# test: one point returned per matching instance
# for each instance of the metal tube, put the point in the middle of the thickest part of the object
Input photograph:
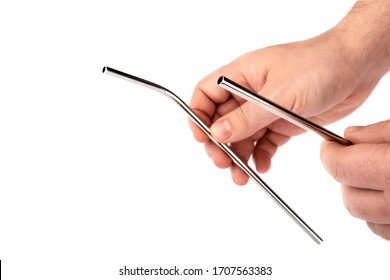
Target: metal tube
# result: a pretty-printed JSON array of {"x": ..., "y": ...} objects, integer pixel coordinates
[
  {"x": 248, "y": 170},
  {"x": 278, "y": 110}
]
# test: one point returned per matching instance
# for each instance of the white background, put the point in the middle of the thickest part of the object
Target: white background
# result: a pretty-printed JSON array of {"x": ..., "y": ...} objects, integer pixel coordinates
[{"x": 97, "y": 173}]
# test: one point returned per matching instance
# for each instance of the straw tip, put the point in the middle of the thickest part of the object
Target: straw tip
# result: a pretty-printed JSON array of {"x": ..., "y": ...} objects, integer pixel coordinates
[
  {"x": 104, "y": 69},
  {"x": 220, "y": 80}
]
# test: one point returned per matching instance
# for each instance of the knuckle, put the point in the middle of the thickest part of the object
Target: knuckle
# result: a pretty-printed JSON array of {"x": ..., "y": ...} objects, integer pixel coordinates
[
  {"x": 221, "y": 162},
  {"x": 244, "y": 118},
  {"x": 199, "y": 135},
  {"x": 299, "y": 104}
]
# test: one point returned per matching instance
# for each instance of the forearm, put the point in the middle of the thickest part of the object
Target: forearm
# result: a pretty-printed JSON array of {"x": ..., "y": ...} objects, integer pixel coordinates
[{"x": 366, "y": 33}]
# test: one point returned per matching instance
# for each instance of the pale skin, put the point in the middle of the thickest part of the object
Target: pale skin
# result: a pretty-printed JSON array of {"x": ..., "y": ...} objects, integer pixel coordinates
[{"x": 324, "y": 78}]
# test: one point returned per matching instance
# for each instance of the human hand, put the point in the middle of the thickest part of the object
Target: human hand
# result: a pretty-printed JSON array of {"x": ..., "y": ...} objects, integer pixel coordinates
[
  {"x": 319, "y": 79},
  {"x": 363, "y": 170}
]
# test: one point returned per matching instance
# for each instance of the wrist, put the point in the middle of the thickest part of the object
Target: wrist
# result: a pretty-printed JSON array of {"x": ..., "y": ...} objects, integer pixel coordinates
[{"x": 365, "y": 35}]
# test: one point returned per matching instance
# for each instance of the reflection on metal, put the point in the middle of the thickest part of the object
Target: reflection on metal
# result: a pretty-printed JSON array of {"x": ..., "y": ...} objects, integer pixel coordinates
[
  {"x": 248, "y": 170},
  {"x": 278, "y": 110}
]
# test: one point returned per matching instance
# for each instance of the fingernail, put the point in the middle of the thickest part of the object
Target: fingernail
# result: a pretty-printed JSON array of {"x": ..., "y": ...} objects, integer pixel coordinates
[
  {"x": 353, "y": 129},
  {"x": 221, "y": 130}
]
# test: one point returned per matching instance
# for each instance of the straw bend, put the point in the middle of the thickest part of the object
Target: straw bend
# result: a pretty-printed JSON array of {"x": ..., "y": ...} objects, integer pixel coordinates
[{"x": 248, "y": 170}]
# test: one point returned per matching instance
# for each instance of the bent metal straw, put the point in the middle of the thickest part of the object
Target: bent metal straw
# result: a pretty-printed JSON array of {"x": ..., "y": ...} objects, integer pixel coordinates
[{"x": 248, "y": 170}]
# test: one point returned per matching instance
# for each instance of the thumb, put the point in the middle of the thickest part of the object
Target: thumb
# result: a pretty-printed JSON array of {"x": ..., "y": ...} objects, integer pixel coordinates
[
  {"x": 241, "y": 123},
  {"x": 374, "y": 133}
]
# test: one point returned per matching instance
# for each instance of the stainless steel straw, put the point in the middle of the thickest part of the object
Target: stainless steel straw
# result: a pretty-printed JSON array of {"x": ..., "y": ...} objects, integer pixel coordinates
[
  {"x": 249, "y": 171},
  {"x": 278, "y": 110}
]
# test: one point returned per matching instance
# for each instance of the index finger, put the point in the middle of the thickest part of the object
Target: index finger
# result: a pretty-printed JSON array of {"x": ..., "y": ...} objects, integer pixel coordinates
[{"x": 207, "y": 95}]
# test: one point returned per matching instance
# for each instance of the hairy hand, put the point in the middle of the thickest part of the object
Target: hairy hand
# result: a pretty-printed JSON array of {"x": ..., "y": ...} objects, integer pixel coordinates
[{"x": 317, "y": 78}]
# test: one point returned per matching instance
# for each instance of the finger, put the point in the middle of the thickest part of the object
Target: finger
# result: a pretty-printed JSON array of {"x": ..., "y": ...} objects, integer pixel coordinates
[
  {"x": 198, "y": 134},
  {"x": 207, "y": 95},
  {"x": 241, "y": 123},
  {"x": 383, "y": 230},
  {"x": 243, "y": 149},
  {"x": 368, "y": 205},
  {"x": 266, "y": 148},
  {"x": 361, "y": 165},
  {"x": 374, "y": 133},
  {"x": 219, "y": 158},
  {"x": 249, "y": 118},
  {"x": 220, "y": 110},
  {"x": 226, "y": 107},
  {"x": 239, "y": 177}
]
